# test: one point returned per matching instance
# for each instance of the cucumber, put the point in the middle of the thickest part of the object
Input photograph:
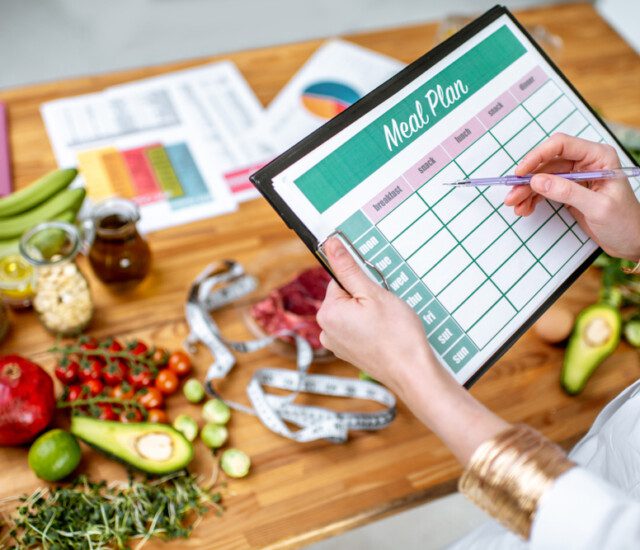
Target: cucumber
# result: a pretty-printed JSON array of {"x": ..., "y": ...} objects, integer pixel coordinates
[
  {"x": 67, "y": 199},
  {"x": 12, "y": 246},
  {"x": 36, "y": 193}
]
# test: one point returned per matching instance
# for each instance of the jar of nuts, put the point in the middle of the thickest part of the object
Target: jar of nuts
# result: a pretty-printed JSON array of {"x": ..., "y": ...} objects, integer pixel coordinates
[{"x": 62, "y": 295}]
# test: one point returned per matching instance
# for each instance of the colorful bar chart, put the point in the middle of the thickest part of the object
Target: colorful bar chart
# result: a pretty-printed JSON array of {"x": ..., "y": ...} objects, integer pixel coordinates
[{"x": 148, "y": 174}]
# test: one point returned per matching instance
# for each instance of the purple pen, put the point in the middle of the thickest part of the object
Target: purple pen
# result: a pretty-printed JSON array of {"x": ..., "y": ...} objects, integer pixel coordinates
[{"x": 512, "y": 179}]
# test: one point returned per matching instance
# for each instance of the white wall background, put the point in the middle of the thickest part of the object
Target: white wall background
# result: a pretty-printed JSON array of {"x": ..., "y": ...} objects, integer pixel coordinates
[{"x": 48, "y": 39}]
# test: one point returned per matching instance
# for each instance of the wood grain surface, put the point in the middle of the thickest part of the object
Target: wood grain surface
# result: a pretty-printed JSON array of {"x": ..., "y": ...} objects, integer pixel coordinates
[{"x": 300, "y": 493}]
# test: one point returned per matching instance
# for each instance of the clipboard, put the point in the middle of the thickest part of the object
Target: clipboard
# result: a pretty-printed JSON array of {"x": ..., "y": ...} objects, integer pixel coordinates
[{"x": 266, "y": 180}]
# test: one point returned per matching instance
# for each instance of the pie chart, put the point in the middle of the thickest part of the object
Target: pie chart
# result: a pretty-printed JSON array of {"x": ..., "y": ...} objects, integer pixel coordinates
[{"x": 326, "y": 99}]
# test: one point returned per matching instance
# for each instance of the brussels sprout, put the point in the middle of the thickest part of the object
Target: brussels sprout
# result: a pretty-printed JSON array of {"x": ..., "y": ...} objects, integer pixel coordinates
[
  {"x": 216, "y": 411},
  {"x": 632, "y": 331},
  {"x": 235, "y": 463},
  {"x": 186, "y": 425},
  {"x": 214, "y": 435},
  {"x": 193, "y": 390}
]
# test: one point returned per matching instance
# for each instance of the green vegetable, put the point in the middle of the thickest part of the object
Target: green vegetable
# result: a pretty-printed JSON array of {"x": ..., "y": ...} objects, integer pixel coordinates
[
  {"x": 153, "y": 448},
  {"x": 214, "y": 435},
  {"x": 67, "y": 199},
  {"x": 87, "y": 515},
  {"x": 216, "y": 411},
  {"x": 632, "y": 331},
  {"x": 235, "y": 463},
  {"x": 37, "y": 193},
  {"x": 602, "y": 261},
  {"x": 186, "y": 425},
  {"x": 54, "y": 455},
  {"x": 595, "y": 337},
  {"x": 611, "y": 296},
  {"x": 193, "y": 390}
]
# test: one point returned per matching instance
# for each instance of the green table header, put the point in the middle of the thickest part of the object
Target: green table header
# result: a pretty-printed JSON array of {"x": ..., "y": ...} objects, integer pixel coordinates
[{"x": 343, "y": 169}]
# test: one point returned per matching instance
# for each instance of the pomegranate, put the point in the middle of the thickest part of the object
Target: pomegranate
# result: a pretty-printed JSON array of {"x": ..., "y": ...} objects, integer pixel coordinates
[{"x": 27, "y": 401}]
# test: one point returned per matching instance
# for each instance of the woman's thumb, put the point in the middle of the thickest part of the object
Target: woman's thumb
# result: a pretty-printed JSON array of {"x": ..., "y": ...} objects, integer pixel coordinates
[
  {"x": 347, "y": 271},
  {"x": 563, "y": 190}
]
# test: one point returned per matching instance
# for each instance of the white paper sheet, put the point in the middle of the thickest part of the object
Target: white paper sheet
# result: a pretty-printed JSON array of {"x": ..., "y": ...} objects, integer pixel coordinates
[
  {"x": 336, "y": 75},
  {"x": 217, "y": 105}
]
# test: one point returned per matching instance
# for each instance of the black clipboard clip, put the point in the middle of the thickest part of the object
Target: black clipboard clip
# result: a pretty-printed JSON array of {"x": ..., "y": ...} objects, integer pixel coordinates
[{"x": 355, "y": 253}]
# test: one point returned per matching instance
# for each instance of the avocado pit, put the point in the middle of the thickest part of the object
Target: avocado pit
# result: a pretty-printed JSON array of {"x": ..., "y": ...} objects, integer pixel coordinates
[
  {"x": 597, "y": 331},
  {"x": 155, "y": 446}
]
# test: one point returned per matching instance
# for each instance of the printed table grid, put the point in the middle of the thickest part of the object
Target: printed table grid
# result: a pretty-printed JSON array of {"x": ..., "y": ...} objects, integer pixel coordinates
[{"x": 430, "y": 238}]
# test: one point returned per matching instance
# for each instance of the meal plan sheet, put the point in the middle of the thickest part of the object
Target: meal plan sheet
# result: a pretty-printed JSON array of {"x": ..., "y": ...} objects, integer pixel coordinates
[{"x": 474, "y": 272}]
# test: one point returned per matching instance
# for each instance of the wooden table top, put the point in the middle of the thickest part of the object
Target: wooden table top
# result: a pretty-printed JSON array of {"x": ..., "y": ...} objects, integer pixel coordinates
[{"x": 298, "y": 493}]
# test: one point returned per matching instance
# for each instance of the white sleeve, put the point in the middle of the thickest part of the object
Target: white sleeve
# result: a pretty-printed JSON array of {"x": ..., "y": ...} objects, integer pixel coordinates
[{"x": 583, "y": 512}]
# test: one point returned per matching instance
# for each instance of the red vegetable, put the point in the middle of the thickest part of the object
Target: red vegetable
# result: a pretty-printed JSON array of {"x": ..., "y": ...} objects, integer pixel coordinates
[
  {"x": 138, "y": 347},
  {"x": 74, "y": 393},
  {"x": 151, "y": 398},
  {"x": 140, "y": 377},
  {"x": 93, "y": 387},
  {"x": 180, "y": 363},
  {"x": 132, "y": 415},
  {"x": 114, "y": 346},
  {"x": 88, "y": 343},
  {"x": 167, "y": 382},
  {"x": 90, "y": 369},
  {"x": 114, "y": 373},
  {"x": 124, "y": 391},
  {"x": 67, "y": 371},
  {"x": 157, "y": 416},
  {"x": 27, "y": 402},
  {"x": 107, "y": 412}
]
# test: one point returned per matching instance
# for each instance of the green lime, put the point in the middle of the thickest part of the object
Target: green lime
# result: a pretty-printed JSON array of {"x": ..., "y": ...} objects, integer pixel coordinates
[{"x": 54, "y": 455}]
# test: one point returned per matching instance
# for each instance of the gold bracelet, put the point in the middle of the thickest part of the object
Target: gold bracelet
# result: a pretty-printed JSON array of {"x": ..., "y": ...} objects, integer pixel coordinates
[
  {"x": 632, "y": 270},
  {"x": 508, "y": 474}
]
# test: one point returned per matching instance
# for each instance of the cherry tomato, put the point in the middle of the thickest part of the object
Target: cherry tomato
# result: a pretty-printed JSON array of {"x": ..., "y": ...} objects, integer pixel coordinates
[
  {"x": 123, "y": 391},
  {"x": 130, "y": 415},
  {"x": 139, "y": 377},
  {"x": 107, "y": 412},
  {"x": 88, "y": 343},
  {"x": 160, "y": 357},
  {"x": 157, "y": 416},
  {"x": 150, "y": 398},
  {"x": 167, "y": 382},
  {"x": 137, "y": 347},
  {"x": 114, "y": 373},
  {"x": 67, "y": 371},
  {"x": 94, "y": 387},
  {"x": 114, "y": 345},
  {"x": 74, "y": 393},
  {"x": 90, "y": 369},
  {"x": 180, "y": 363}
]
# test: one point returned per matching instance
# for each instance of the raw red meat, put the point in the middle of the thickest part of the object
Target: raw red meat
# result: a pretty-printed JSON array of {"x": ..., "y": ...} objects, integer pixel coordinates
[{"x": 294, "y": 305}]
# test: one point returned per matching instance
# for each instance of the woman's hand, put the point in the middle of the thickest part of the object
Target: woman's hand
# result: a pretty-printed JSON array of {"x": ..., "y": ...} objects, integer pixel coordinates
[
  {"x": 607, "y": 210},
  {"x": 379, "y": 333},
  {"x": 370, "y": 327}
]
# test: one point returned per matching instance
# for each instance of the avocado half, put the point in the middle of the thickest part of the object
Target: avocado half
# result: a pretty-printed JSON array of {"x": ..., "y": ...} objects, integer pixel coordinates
[
  {"x": 595, "y": 336},
  {"x": 152, "y": 448}
]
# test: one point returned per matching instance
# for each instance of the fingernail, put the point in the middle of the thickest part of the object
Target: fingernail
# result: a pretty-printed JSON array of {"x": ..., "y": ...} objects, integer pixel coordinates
[
  {"x": 337, "y": 249},
  {"x": 543, "y": 183}
]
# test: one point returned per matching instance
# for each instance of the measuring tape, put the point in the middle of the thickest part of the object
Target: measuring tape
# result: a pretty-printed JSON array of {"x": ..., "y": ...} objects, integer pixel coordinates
[{"x": 221, "y": 284}]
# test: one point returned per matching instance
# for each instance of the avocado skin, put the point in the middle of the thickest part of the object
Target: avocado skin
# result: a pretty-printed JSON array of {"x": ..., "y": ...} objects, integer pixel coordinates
[
  {"x": 109, "y": 438},
  {"x": 581, "y": 359}
]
